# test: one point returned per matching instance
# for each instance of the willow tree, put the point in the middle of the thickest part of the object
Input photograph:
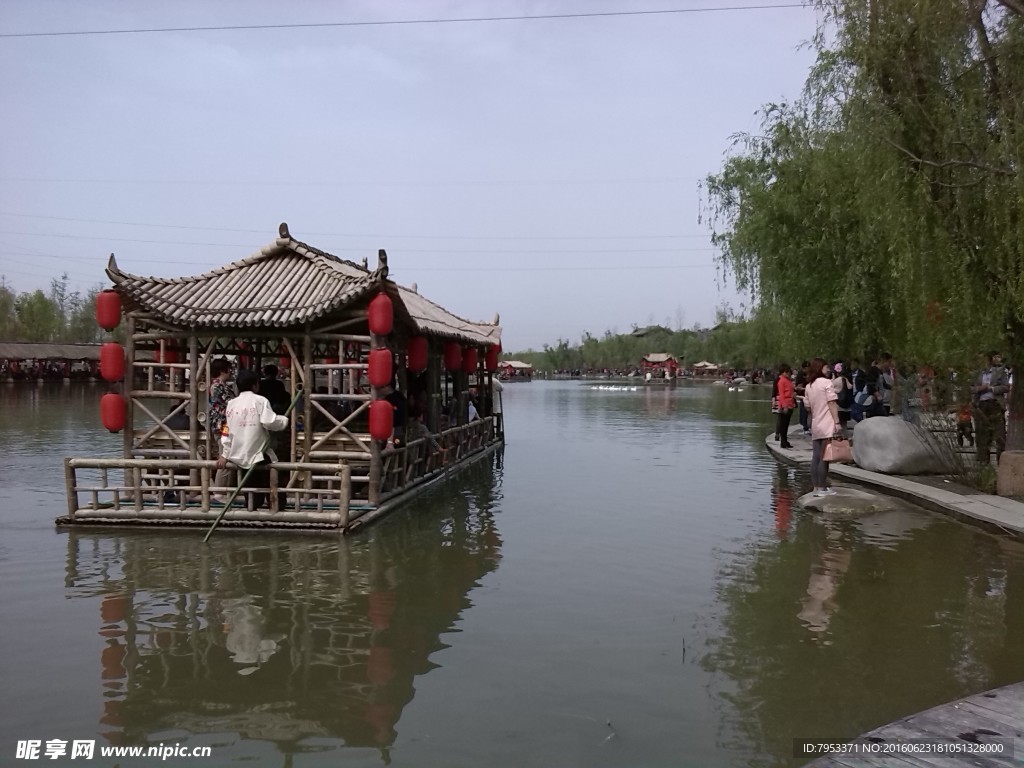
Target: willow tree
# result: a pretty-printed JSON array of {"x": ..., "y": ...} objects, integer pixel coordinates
[{"x": 883, "y": 209}]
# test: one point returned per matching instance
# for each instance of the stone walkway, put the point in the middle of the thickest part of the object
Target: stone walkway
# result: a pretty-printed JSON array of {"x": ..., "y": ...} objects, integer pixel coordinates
[{"x": 993, "y": 512}]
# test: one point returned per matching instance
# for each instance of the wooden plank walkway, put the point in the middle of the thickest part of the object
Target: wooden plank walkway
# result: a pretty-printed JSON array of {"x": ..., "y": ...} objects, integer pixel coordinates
[
  {"x": 985, "y": 730},
  {"x": 995, "y": 513}
]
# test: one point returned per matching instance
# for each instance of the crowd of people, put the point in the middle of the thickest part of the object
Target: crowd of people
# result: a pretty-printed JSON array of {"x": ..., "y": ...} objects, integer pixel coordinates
[{"x": 828, "y": 396}]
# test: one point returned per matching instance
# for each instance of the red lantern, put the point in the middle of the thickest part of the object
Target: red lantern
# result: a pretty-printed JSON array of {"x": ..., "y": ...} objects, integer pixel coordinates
[
  {"x": 491, "y": 358},
  {"x": 113, "y": 411},
  {"x": 244, "y": 361},
  {"x": 379, "y": 367},
  {"x": 108, "y": 310},
  {"x": 168, "y": 355},
  {"x": 284, "y": 362},
  {"x": 382, "y": 419},
  {"x": 469, "y": 360},
  {"x": 416, "y": 354},
  {"x": 111, "y": 361},
  {"x": 452, "y": 356},
  {"x": 381, "y": 315}
]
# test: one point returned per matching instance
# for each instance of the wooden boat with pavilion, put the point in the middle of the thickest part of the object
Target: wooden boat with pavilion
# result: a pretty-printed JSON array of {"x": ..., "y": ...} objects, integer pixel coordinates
[{"x": 313, "y": 315}]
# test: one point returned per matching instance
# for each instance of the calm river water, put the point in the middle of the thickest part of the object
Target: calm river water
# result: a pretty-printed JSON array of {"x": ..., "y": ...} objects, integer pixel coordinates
[{"x": 627, "y": 584}]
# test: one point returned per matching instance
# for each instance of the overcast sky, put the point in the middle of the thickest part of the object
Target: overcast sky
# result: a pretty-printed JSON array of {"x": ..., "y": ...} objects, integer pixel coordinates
[{"x": 544, "y": 169}]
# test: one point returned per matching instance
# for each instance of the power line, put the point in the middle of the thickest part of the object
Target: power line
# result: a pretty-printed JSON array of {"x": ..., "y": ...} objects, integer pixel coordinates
[
  {"x": 358, "y": 184},
  {"x": 351, "y": 234},
  {"x": 406, "y": 22},
  {"x": 445, "y": 251}
]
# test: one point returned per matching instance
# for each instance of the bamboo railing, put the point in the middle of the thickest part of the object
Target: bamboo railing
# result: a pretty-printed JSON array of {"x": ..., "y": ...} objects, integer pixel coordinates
[{"x": 316, "y": 493}]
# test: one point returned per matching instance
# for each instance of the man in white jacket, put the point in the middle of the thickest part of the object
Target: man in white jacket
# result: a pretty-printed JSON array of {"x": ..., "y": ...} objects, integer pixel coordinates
[{"x": 246, "y": 441}]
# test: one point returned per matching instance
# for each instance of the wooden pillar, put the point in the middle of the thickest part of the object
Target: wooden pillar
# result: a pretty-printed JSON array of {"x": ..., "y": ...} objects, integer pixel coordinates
[
  {"x": 193, "y": 405},
  {"x": 376, "y": 463},
  {"x": 129, "y": 385},
  {"x": 307, "y": 400},
  {"x": 435, "y": 386}
]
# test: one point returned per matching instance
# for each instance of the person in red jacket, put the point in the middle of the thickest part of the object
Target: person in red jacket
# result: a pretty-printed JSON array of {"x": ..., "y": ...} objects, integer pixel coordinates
[{"x": 787, "y": 402}]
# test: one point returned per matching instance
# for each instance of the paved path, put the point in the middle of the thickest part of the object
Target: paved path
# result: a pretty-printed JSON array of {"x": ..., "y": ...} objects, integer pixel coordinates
[
  {"x": 993, "y": 512},
  {"x": 982, "y": 730}
]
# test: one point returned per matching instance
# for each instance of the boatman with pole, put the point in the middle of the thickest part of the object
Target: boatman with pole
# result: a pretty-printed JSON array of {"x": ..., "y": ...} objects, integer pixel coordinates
[{"x": 246, "y": 443}]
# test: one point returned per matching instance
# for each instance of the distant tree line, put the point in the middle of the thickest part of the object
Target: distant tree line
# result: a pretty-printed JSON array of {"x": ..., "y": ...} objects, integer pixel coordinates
[
  {"x": 740, "y": 342},
  {"x": 58, "y": 315}
]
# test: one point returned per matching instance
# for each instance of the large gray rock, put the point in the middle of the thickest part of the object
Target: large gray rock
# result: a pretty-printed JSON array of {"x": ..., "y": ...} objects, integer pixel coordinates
[
  {"x": 893, "y": 446},
  {"x": 1010, "y": 480},
  {"x": 851, "y": 502}
]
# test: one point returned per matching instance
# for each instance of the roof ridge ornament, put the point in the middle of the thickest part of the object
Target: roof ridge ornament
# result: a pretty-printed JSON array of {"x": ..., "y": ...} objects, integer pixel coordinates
[
  {"x": 282, "y": 230},
  {"x": 382, "y": 263}
]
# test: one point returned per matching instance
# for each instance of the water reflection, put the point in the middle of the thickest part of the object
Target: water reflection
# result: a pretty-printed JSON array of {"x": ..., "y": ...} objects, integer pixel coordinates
[
  {"x": 308, "y": 643},
  {"x": 830, "y": 623}
]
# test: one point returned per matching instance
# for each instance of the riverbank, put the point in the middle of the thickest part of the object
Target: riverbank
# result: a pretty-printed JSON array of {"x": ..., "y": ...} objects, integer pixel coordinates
[{"x": 932, "y": 492}]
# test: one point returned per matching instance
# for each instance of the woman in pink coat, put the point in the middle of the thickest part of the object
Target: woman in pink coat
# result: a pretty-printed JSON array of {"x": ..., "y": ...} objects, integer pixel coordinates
[{"x": 820, "y": 400}]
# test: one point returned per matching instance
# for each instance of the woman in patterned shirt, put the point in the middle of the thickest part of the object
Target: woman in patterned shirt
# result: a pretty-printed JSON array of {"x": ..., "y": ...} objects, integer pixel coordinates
[{"x": 220, "y": 392}]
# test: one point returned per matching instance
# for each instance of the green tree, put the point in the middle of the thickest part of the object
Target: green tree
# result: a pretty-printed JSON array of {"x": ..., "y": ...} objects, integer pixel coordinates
[
  {"x": 882, "y": 210},
  {"x": 9, "y": 325},
  {"x": 38, "y": 317}
]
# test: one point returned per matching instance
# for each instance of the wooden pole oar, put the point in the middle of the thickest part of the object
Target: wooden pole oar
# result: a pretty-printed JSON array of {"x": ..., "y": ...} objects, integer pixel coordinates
[{"x": 234, "y": 493}]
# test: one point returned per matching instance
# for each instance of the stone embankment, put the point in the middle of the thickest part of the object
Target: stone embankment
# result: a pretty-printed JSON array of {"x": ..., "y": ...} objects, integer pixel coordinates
[{"x": 932, "y": 492}]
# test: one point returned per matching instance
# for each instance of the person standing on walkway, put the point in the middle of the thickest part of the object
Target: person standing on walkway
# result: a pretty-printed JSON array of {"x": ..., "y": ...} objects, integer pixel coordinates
[
  {"x": 799, "y": 383},
  {"x": 786, "y": 401},
  {"x": 989, "y": 390},
  {"x": 820, "y": 397}
]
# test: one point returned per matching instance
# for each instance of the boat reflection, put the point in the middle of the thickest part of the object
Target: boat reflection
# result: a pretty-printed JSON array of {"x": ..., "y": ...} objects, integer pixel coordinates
[{"x": 279, "y": 638}]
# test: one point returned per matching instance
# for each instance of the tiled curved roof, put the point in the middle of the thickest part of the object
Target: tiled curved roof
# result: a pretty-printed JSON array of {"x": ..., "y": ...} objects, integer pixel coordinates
[
  {"x": 286, "y": 283},
  {"x": 434, "y": 320}
]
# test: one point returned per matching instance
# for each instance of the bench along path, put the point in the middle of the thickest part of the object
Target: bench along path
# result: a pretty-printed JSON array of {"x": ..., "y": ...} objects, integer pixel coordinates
[
  {"x": 982, "y": 730},
  {"x": 996, "y": 513}
]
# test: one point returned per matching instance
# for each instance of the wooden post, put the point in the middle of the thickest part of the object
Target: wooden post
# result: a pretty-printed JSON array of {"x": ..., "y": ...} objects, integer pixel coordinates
[
  {"x": 69, "y": 484},
  {"x": 129, "y": 381},
  {"x": 193, "y": 406},
  {"x": 307, "y": 401},
  {"x": 273, "y": 489},
  {"x": 345, "y": 493},
  {"x": 137, "y": 487},
  {"x": 376, "y": 465},
  {"x": 434, "y": 385}
]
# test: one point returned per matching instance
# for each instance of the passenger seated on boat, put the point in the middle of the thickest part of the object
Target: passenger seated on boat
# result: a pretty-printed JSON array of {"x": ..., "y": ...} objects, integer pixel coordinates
[
  {"x": 179, "y": 422},
  {"x": 416, "y": 429},
  {"x": 321, "y": 422},
  {"x": 401, "y": 406},
  {"x": 473, "y": 414}
]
